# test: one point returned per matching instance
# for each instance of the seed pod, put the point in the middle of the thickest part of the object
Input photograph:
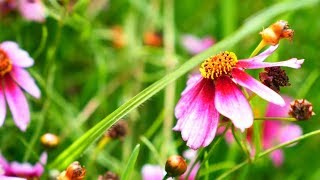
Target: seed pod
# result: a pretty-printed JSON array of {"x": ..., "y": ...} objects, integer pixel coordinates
[{"x": 301, "y": 109}]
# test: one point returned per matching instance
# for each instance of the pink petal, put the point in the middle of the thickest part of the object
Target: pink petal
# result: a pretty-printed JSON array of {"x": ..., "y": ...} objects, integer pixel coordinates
[
  {"x": 271, "y": 132},
  {"x": 18, "y": 56},
  {"x": 274, "y": 110},
  {"x": 289, "y": 132},
  {"x": 199, "y": 120},
  {"x": 32, "y": 10},
  {"x": 231, "y": 103},
  {"x": 262, "y": 56},
  {"x": 152, "y": 172},
  {"x": 293, "y": 63},
  {"x": 257, "y": 87},
  {"x": 193, "y": 173},
  {"x": 11, "y": 178},
  {"x": 196, "y": 45},
  {"x": 23, "y": 78},
  {"x": 277, "y": 157},
  {"x": 17, "y": 103},
  {"x": 2, "y": 105}
]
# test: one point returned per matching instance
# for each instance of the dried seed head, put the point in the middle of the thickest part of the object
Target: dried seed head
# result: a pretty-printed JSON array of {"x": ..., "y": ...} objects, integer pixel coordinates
[
  {"x": 119, "y": 130},
  {"x": 50, "y": 140},
  {"x": 175, "y": 166},
  {"x": 74, "y": 172},
  {"x": 277, "y": 31},
  {"x": 109, "y": 176},
  {"x": 301, "y": 109},
  {"x": 274, "y": 77},
  {"x": 151, "y": 38}
]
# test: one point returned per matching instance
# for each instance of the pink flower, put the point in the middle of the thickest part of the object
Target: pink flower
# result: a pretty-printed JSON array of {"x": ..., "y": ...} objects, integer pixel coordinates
[
  {"x": 190, "y": 155},
  {"x": 276, "y": 132},
  {"x": 216, "y": 92},
  {"x": 196, "y": 45},
  {"x": 25, "y": 170},
  {"x": 32, "y": 10},
  {"x": 152, "y": 172},
  {"x": 7, "y": 5},
  {"x": 13, "y": 60}
]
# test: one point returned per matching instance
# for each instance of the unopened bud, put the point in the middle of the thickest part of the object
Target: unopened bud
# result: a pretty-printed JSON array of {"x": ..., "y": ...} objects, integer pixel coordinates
[
  {"x": 277, "y": 31},
  {"x": 301, "y": 109},
  {"x": 118, "y": 37},
  {"x": 74, "y": 172},
  {"x": 119, "y": 130},
  {"x": 152, "y": 39},
  {"x": 50, "y": 140},
  {"x": 175, "y": 166},
  {"x": 109, "y": 176}
]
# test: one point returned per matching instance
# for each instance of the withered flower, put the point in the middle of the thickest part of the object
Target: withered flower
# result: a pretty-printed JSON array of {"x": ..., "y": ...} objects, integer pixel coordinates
[
  {"x": 74, "y": 172},
  {"x": 277, "y": 31},
  {"x": 274, "y": 78},
  {"x": 301, "y": 109}
]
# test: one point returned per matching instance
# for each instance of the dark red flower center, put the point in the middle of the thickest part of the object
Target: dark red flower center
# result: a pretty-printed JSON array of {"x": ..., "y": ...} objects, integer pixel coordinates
[{"x": 5, "y": 63}]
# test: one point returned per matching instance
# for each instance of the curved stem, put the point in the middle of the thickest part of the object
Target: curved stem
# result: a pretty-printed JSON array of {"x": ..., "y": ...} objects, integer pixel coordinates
[
  {"x": 266, "y": 152},
  {"x": 276, "y": 118},
  {"x": 261, "y": 45}
]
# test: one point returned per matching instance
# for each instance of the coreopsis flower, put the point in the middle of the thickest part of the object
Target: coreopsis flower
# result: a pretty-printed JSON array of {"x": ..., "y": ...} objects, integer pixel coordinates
[
  {"x": 196, "y": 45},
  {"x": 24, "y": 170},
  {"x": 276, "y": 132},
  {"x": 216, "y": 92},
  {"x": 13, "y": 60},
  {"x": 32, "y": 10}
]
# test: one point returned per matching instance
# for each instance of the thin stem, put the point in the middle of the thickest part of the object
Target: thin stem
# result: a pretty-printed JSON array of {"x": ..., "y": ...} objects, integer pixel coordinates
[
  {"x": 242, "y": 145},
  {"x": 277, "y": 118},
  {"x": 261, "y": 45},
  {"x": 266, "y": 152}
]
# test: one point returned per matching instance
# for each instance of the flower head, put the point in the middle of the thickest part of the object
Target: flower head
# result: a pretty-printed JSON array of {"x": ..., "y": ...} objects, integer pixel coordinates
[
  {"x": 196, "y": 45},
  {"x": 13, "y": 60},
  {"x": 301, "y": 109},
  {"x": 32, "y": 10},
  {"x": 24, "y": 170},
  {"x": 216, "y": 92}
]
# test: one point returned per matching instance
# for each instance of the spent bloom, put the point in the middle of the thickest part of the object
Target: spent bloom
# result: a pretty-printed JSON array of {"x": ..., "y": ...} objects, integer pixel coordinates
[
  {"x": 13, "y": 60},
  {"x": 216, "y": 92},
  {"x": 301, "y": 109},
  {"x": 196, "y": 45},
  {"x": 277, "y": 31},
  {"x": 24, "y": 170}
]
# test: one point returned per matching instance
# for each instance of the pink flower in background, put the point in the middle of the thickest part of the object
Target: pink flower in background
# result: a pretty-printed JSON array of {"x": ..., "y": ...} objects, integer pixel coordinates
[
  {"x": 276, "y": 132},
  {"x": 13, "y": 60},
  {"x": 216, "y": 92},
  {"x": 190, "y": 155},
  {"x": 7, "y": 5},
  {"x": 32, "y": 10},
  {"x": 25, "y": 170},
  {"x": 152, "y": 172},
  {"x": 196, "y": 45}
]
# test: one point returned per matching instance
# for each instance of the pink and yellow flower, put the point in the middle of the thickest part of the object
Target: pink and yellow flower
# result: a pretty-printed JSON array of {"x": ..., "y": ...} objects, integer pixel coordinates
[
  {"x": 216, "y": 92},
  {"x": 13, "y": 60},
  {"x": 32, "y": 10}
]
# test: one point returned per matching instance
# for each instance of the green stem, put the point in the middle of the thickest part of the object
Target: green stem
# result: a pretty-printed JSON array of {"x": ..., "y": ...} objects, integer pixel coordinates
[
  {"x": 277, "y": 118},
  {"x": 261, "y": 45},
  {"x": 266, "y": 152},
  {"x": 242, "y": 145}
]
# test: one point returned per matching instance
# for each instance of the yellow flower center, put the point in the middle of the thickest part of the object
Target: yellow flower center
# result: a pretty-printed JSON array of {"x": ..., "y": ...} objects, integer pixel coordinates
[
  {"x": 5, "y": 63},
  {"x": 218, "y": 65}
]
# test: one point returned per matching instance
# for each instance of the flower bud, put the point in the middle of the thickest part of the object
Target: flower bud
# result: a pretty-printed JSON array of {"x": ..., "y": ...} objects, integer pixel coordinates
[
  {"x": 109, "y": 176},
  {"x": 152, "y": 39},
  {"x": 277, "y": 31},
  {"x": 301, "y": 109},
  {"x": 175, "y": 166},
  {"x": 118, "y": 131},
  {"x": 50, "y": 140},
  {"x": 74, "y": 172},
  {"x": 118, "y": 37}
]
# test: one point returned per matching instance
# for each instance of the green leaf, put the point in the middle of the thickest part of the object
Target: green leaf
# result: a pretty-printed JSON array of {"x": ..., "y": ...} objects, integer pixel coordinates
[
  {"x": 126, "y": 174},
  {"x": 252, "y": 25}
]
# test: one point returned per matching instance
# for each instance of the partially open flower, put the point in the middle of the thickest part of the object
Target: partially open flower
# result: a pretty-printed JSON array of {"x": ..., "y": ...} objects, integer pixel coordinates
[
  {"x": 301, "y": 109},
  {"x": 74, "y": 172},
  {"x": 274, "y": 77},
  {"x": 175, "y": 166},
  {"x": 277, "y": 31}
]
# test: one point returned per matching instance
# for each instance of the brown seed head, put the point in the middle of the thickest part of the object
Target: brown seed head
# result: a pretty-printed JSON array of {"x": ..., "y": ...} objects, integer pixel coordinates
[
  {"x": 74, "y": 172},
  {"x": 301, "y": 109},
  {"x": 274, "y": 77},
  {"x": 277, "y": 31},
  {"x": 119, "y": 130},
  {"x": 109, "y": 176},
  {"x": 175, "y": 166}
]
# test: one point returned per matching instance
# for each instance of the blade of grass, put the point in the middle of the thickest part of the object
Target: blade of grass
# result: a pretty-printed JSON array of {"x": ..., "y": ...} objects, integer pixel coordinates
[
  {"x": 254, "y": 24},
  {"x": 126, "y": 174}
]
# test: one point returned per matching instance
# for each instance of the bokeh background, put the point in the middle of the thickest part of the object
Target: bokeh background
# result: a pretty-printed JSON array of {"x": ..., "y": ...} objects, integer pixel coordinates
[{"x": 92, "y": 57}]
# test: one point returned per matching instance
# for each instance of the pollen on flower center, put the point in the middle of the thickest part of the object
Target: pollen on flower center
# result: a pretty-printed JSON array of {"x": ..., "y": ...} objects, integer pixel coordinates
[
  {"x": 218, "y": 65},
  {"x": 5, "y": 63}
]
